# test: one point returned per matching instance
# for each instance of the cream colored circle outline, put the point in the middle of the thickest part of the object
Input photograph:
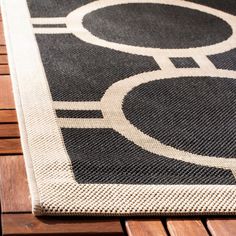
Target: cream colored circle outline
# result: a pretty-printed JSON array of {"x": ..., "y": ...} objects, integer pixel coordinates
[
  {"x": 111, "y": 105},
  {"x": 75, "y": 18}
]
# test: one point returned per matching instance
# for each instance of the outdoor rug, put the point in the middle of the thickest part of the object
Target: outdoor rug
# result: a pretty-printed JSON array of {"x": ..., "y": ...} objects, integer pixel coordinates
[{"x": 126, "y": 107}]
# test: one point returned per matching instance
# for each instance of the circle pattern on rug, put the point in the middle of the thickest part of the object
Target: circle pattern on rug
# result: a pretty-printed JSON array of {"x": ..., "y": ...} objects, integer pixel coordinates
[
  {"x": 194, "y": 114},
  {"x": 163, "y": 28}
]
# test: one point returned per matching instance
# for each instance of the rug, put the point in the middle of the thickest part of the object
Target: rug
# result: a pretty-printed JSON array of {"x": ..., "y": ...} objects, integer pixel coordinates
[{"x": 126, "y": 107}]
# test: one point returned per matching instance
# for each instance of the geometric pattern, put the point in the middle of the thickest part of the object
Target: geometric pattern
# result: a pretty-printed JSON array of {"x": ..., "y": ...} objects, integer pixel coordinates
[
  {"x": 184, "y": 62},
  {"x": 130, "y": 109},
  {"x": 105, "y": 13}
]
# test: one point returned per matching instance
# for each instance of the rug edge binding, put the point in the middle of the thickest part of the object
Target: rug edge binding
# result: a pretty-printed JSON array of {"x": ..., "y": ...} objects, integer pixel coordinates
[{"x": 34, "y": 194}]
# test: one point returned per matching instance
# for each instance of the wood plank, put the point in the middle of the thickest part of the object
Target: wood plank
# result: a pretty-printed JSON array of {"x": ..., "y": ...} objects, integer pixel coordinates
[
  {"x": 27, "y": 224},
  {"x": 8, "y": 116},
  {"x": 10, "y": 146},
  {"x": 9, "y": 131},
  {"x": 6, "y": 96},
  {"x": 141, "y": 227},
  {"x": 13, "y": 185},
  {"x": 186, "y": 227},
  {"x": 3, "y": 59},
  {"x": 3, "y": 50},
  {"x": 222, "y": 226},
  {"x": 4, "y": 70},
  {"x": 2, "y": 39}
]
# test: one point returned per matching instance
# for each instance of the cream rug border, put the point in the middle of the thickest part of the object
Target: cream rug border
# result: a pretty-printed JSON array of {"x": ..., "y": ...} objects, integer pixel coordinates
[{"x": 53, "y": 188}]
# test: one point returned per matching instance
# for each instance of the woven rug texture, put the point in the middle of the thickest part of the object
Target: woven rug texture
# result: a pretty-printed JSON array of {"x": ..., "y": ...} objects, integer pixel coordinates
[{"x": 126, "y": 107}]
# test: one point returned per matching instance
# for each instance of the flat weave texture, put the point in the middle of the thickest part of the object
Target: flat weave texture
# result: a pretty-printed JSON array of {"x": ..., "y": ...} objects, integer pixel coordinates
[{"x": 126, "y": 107}]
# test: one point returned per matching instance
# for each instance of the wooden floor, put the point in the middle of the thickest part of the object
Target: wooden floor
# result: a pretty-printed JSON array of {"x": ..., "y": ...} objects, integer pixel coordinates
[{"x": 16, "y": 217}]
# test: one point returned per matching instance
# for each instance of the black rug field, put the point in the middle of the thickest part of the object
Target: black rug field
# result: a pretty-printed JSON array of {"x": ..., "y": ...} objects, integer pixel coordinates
[{"x": 126, "y": 107}]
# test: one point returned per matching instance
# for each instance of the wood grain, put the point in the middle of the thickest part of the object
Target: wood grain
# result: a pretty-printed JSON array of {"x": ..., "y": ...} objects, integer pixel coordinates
[
  {"x": 27, "y": 224},
  {"x": 222, "y": 226},
  {"x": 3, "y": 59},
  {"x": 141, "y": 227},
  {"x": 13, "y": 185},
  {"x": 10, "y": 146},
  {"x": 8, "y": 116},
  {"x": 2, "y": 39},
  {"x": 6, "y": 96},
  {"x": 9, "y": 131},
  {"x": 3, "y": 50},
  {"x": 4, "y": 70},
  {"x": 186, "y": 227}
]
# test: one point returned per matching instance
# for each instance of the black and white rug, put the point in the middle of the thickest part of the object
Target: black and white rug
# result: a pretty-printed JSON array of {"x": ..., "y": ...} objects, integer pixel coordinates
[{"x": 126, "y": 107}]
